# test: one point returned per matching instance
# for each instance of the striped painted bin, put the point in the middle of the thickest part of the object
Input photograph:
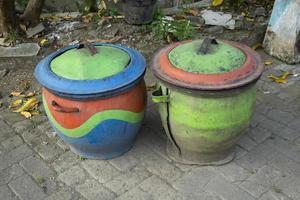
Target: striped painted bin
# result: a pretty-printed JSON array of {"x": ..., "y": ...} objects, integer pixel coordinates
[{"x": 94, "y": 97}]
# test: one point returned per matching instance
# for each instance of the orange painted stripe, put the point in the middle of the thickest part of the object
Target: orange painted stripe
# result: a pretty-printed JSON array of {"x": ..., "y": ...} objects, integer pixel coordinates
[{"x": 133, "y": 100}]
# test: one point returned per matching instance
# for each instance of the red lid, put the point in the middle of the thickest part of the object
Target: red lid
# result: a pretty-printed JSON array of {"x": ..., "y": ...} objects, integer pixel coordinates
[{"x": 248, "y": 72}]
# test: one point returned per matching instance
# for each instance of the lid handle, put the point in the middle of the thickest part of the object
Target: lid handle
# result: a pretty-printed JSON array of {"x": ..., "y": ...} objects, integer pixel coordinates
[
  {"x": 92, "y": 49},
  {"x": 206, "y": 46}
]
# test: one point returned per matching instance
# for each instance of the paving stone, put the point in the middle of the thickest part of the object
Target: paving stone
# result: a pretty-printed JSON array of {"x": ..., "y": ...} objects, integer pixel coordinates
[
  {"x": 64, "y": 194},
  {"x": 239, "y": 152},
  {"x": 257, "y": 157},
  {"x": 194, "y": 181},
  {"x": 65, "y": 161},
  {"x": 100, "y": 170},
  {"x": 259, "y": 134},
  {"x": 226, "y": 190},
  {"x": 37, "y": 167},
  {"x": 34, "y": 137},
  {"x": 262, "y": 181},
  {"x": 93, "y": 190},
  {"x": 246, "y": 142},
  {"x": 25, "y": 188},
  {"x": 48, "y": 151},
  {"x": 151, "y": 188},
  {"x": 272, "y": 126},
  {"x": 280, "y": 116},
  {"x": 64, "y": 146},
  {"x": 262, "y": 108},
  {"x": 286, "y": 165},
  {"x": 125, "y": 182},
  {"x": 22, "y": 126},
  {"x": 72, "y": 176},
  {"x": 286, "y": 148},
  {"x": 271, "y": 195},
  {"x": 11, "y": 117},
  {"x": 46, "y": 129},
  {"x": 202, "y": 195},
  {"x": 232, "y": 172},
  {"x": 39, "y": 119},
  {"x": 12, "y": 142},
  {"x": 11, "y": 173},
  {"x": 14, "y": 156},
  {"x": 290, "y": 186},
  {"x": 6, "y": 131},
  {"x": 288, "y": 133},
  {"x": 6, "y": 193},
  {"x": 125, "y": 162},
  {"x": 295, "y": 124}
]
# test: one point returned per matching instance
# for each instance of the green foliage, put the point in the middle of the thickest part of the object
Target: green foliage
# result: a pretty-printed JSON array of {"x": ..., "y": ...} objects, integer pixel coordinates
[
  {"x": 165, "y": 28},
  {"x": 12, "y": 37}
]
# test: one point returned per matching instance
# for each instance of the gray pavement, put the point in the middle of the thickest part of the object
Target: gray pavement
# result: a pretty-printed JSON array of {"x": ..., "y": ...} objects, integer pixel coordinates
[{"x": 35, "y": 164}]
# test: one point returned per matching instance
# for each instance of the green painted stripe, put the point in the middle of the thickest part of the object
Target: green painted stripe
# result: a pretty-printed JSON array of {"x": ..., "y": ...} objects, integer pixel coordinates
[{"x": 93, "y": 121}]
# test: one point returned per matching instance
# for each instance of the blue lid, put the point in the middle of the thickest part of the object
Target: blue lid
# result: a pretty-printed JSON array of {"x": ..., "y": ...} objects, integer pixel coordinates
[{"x": 112, "y": 84}]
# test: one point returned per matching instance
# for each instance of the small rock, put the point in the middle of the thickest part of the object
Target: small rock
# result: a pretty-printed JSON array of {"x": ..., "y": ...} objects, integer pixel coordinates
[
  {"x": 196, "y": 20},
  {"x": 3, "y": 72},
  {"x": 260, "y": 11},
  {"x": 20, "y": 50},
  {"x": 218, "y": 18},
  {"x": 35, "y": 30},
  {"x": 215, "y": 30}
]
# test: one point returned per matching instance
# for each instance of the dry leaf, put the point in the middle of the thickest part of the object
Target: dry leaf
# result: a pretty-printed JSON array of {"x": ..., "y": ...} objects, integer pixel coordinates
[
  {"x": 281, "y": 79},
  {"x": 44, "y": 42},
  {"x": 34, "y": 113},
  {"x": 26, "y": 114},
  {"x": 217, "y": 2},
  {"x": 87, "y": 18},
  {"x": 67, "y": 17},
  {"x": 268, "y": 62},
  {"x": 192, "y": 11},
  {"x": 23, "y": 27},
  {"x": 16, "y": 103},
  {"x": 256, "y": 46},
  {"x": 29, "y": 105},
  {"x": 15, "y": 94},
  {"x": 30, "y": 94}
]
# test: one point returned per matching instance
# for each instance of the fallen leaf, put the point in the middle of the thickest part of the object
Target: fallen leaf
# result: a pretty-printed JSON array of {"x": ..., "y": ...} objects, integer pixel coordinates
[
  {"x": 29, "y": 105},
  {"x": 16, "y": 103},
  {"x": 280, "y": 79},
  {"x": 67, "y": 17},
  {"x": 15, "y": 94},
  {"x": 268, "y": 62},
  {"x": 87, "y": 18},
  {"x": 26, "y": 114},
  {"x": 34, "y": 113},
  {"x": 217, "y": 2},
  {"x": 23, "y": 27},
  {"x": 44, "y": 42},
  {"x": 256, "y": 46},
  {"x": 30, "y": 94},
  {"x": 192, "y": 11}
]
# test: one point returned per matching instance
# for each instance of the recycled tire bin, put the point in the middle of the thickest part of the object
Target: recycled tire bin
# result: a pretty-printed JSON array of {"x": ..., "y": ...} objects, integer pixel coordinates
[
  {"x": 206, "y": 94},
  {"x": 94, "y": 100}
]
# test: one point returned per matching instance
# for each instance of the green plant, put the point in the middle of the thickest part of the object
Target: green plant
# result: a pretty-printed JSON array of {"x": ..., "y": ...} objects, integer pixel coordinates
[{"x": 12, "y": 37}]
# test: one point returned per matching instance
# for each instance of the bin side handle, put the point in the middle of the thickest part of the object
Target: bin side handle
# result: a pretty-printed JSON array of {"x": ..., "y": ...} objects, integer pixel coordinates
[
  {"x": 158, "y": 97},
  {"x": 62, "y": 109}
]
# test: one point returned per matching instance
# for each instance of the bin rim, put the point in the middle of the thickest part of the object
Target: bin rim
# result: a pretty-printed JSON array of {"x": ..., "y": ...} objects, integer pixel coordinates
[{"x": 116, "y": 83}]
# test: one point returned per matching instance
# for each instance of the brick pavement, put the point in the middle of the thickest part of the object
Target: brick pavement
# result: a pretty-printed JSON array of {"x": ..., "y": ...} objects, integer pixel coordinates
[{"x": 35, "y": 164}]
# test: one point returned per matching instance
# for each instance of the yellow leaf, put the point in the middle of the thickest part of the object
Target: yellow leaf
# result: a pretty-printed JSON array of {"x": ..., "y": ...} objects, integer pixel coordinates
[
  {"x": 16, "y": 103},
  {"x": 44, "y": 42},
  {"x": 192, "y": 11},
  {"x": 67, "y": 17},
  {"x": 280, "y": 79},
  {"x": 217, "y": 2},
  {"x": 87, "y": 18},
  {"x": 34, "y": 113},
  {"x": 285, "y": 75},
  {"x": 31, "y": 103},
  {"x": 30, "y": 94},
  {"x": 256, "y": 46},
  {"x": 268, "y": 62},
  {"x": 15, "y": 94},
  {"x": 26, "y": 114}
]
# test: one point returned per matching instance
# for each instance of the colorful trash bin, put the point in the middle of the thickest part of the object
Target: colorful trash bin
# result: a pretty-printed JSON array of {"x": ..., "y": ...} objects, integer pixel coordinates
[
  {"x": 206, "y": 94},
  {"x": 94, "y": 97}
]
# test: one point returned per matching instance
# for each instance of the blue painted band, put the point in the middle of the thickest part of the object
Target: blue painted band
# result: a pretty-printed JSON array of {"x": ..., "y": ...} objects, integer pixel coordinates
[
  {"x": 134, "y": 71},
  {"x": 108, "y": 139}
]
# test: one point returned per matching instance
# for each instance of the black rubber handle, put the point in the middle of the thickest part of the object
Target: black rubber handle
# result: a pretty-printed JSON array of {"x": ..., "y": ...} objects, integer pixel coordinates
[{"x": 206, "y": 46}]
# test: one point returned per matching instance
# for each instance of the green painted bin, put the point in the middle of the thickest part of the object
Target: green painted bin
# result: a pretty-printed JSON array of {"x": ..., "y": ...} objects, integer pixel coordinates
[{"x": 206, "y": 94}]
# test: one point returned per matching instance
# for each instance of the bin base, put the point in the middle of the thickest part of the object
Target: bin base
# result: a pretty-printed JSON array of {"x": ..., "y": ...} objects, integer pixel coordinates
[
  {"x": 101, "y": 155},
  {"x": 196, "y": 158}
]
